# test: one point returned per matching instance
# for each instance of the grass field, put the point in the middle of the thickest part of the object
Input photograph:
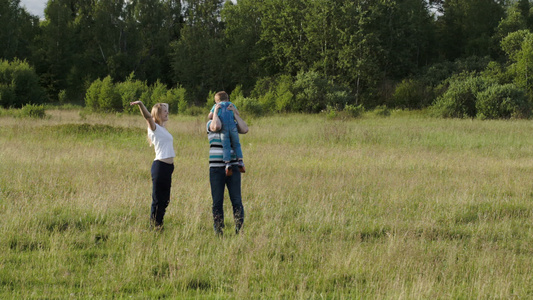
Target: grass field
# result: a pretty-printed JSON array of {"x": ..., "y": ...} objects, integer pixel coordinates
[{"x": 403, "y": 207}]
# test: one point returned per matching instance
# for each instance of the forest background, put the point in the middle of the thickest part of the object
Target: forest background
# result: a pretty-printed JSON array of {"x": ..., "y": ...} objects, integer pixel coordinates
[{"x": 459, "y": 58}]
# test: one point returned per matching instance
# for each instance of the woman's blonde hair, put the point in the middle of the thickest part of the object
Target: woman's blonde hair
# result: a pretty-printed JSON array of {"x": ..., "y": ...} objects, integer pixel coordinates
[{"x": 156, "y": 114}]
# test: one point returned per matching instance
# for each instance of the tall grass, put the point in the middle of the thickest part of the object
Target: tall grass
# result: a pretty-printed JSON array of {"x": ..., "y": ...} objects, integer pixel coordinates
[{"x": 398, "y": 207}]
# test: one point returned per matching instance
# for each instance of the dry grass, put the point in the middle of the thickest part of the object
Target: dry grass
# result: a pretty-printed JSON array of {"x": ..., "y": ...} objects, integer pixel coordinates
[{"x": 404, "y": 207}]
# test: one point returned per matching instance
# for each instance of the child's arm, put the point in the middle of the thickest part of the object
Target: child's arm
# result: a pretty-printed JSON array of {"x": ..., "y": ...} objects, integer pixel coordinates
[{"x": 210, "y": 116}]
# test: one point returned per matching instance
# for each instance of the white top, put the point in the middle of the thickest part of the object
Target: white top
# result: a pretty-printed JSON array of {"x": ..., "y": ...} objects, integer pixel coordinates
[{"x": 163, "y": 142}]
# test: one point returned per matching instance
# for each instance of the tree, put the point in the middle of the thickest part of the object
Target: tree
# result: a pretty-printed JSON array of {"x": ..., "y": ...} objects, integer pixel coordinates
[
  {"x": 243, "y": 46},
  {"x": 199, "y": 54},
  {"x": 466, "y": 28},
  {"x": 56, "y": 46},
  {"x": 519, "y": 48},
  {"x": 17, "y": 30},
  {"x": 283, "y": 30}
]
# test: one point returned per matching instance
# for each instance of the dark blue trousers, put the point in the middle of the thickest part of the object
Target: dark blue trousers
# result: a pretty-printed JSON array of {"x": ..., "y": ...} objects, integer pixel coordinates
[
  {"x": 219, "y": 181},
  {"x": 161, "y": 183}
]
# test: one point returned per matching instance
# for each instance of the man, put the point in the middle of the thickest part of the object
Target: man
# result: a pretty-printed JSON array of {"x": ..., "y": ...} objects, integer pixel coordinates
[{"x": 217, "y": 173}]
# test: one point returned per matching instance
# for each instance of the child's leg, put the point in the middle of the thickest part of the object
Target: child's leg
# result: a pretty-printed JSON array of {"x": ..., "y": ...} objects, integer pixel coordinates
[
  {"x": 236, "y": 145},
  {"x": 226, "y": 145}
]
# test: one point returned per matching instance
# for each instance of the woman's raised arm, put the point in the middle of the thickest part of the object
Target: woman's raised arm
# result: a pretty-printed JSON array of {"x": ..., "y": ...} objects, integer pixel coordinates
[{"x": 145, "y": 114}]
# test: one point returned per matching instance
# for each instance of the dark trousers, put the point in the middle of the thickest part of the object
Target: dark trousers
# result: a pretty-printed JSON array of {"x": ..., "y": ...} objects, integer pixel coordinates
[
  {"x": 219, "y": 180},
  {"x": 161, "y": 183}
]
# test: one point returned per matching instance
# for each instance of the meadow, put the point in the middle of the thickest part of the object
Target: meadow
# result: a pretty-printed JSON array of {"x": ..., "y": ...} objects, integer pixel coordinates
[{"x": 398, "y": 207}]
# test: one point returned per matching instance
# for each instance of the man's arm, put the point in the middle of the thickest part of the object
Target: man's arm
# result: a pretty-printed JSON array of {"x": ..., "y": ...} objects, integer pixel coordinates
[
  {"x": 215, "y": 124},
  {"x": 241, "y": 125}
]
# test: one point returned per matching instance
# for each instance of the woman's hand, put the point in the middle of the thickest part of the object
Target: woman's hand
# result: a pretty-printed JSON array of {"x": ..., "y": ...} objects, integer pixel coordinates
[{"x": 135, "y": 102}]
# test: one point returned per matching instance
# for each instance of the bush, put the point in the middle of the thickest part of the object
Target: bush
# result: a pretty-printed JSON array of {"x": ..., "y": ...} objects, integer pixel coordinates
[
  {"x": 249, "y": 106},
  {"x": 62, "y": 96},
  {"x": 354, "y": 110},
  {"x": 381, "y": 111},
  {"x": 92, "y": 94},
  {"x": 503, "y": 101},
  {"x": 210, "y": 101},
  {"x": 32, "y": 111},
  {"x": 103, "y": 96},
  {"x": 410, "y": 94},
  {"x": 263, "y": 86},
  {"x": 268, "y": 102},
  {"x": 339, "y": 96},
  {"x": 310, "y": 92},
  {"x": 459, "y": 100},
  {"x": 19, "y": 85},
  {"x": 237, "y": 92},
  {"x": 284, "y": 95},
  {"x": 109, "y": 99},
  {"x": 7, "y": 95},
  {"x": 175, "y": 98},
  {"x": 133, "y": 90}
]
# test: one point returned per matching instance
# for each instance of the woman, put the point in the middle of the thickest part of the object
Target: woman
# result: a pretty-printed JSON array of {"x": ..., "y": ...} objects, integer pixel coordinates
[{"x": 163, "y": 165}]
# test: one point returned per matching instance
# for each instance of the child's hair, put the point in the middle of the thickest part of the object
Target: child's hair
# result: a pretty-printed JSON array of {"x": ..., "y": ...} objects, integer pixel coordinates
[
  {"x": 221, "y": 96},
  {"x": 156, "y": 114}
]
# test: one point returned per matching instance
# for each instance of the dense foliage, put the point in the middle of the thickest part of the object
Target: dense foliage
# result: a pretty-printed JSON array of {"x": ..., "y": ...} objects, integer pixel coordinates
[
  {"x": 19, "y": 84},
  {"x": 281, "y": 55}
]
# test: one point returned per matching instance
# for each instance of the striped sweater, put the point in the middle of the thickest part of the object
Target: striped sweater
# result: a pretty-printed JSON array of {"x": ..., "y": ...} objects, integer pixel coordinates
[{"x": 215, "y": 150}]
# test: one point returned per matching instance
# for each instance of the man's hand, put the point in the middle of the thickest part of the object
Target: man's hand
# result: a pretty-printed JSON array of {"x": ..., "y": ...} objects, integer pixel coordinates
[{"x": 217, "y": 107}]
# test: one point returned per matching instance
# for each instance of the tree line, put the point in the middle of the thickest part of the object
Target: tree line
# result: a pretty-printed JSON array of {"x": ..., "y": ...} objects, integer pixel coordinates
[{"x": 280, "y": 55}]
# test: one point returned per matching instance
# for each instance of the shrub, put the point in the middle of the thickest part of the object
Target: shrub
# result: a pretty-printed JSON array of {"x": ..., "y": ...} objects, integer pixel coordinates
[
  {"x": 410, "y": 94},
  {"x": 503, "y": 101},
  {"x": 133, "y": 90},
  {"x": 459, "y": 101},
  {"x": 284, "y": 95},
  {"x": 175, "y": 98},
  {"x": 438, "y": 72},
  {"x": 19, "y": 84},
  {"x": 108, "y": 98},
  {"x": 210, "y": 101},
  {"x": 263, "y": 86},
  {"x": 310, "y": 92},
  {"x": 237, "y": 92},
  {"x": 268, "y": 102},
  {"x": 102, "y": 95},
  {"x": 307, "y": 92},
  {"x": 7, "y": 95},
  {"x": 382, "y": 111},
  {"x": 62, "y": 96},
  {"x": 354, "y": 110},
  {"x": 339, "y": 96},
  {"x": 249, "y": 106},
  {"x": 32, "y": 111},
  {"x": 92, "y": 94},
  {"x": 158, "y": 95}
]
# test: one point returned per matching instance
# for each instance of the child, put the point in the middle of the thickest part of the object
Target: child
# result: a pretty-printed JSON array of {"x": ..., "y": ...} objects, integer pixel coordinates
[{"x": 228, "y": 133}]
